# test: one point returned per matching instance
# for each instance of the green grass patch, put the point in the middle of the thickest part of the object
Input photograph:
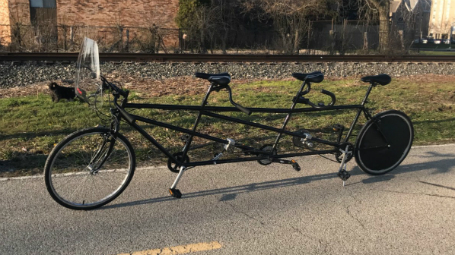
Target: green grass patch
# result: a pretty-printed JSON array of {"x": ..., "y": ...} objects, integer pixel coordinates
[
  {"x": 437, "y": 53},
  {"x": 31, "y": 126}
]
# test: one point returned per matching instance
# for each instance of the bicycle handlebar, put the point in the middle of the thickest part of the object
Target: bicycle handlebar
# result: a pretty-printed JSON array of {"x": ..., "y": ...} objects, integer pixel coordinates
[
  {"x": 241, "y": 108},
  {"x": 301, "y": 99},
  {"x": 332, "y": 96},
  {"x": 112, "y": 86}
]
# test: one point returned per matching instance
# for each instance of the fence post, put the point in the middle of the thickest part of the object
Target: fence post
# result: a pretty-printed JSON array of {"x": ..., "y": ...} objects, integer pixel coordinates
[
  {"x": 309, "y": 33},
  {"x": 400, "y": 32},
  {"x": 332, "y": 42},
  {"x": 182, "y": 38},
  {"x": 71, "y": 35},
  {"x": 120, "y": 45},
  {"x": 127, "y": 40},
  {"x": 343, "y": 38},
  {"x": 56, "y": 37},
  {"x": 365, "y": 41}
]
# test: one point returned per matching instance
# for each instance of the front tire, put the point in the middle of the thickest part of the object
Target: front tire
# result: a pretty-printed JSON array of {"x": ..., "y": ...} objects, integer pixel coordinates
[
  {"x": 384, "y": 142},
  {"x": 89, "y": 168}
]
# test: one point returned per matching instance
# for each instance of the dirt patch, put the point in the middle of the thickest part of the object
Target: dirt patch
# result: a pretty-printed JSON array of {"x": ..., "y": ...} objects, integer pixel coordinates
[
  {"x": 29, "y": 90},
  {"x": 186, "y": 85}
]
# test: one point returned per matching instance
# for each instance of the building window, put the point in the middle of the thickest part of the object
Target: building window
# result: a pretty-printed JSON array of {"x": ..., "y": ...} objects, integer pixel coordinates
[
  {"x": 43, "y": 4},
  {"x": 43, "y": 11}
]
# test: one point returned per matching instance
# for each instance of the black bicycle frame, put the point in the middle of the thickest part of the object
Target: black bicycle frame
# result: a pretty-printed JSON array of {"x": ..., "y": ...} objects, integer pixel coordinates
[{"x": 203, "y": 109}]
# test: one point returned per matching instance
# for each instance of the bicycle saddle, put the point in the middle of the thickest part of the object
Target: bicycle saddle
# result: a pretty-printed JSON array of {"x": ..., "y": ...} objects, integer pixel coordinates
[
  {"x": 315, "y": 77},
  {"x": 382, "y": 79},
  {"x": 221, "y": 78}
]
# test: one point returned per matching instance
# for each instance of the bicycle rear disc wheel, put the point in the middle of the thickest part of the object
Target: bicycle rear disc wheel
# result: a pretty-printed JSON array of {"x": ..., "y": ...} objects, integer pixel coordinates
[
  {"x": 384, "y": 142},
  {"x": 89, "y": 168}
]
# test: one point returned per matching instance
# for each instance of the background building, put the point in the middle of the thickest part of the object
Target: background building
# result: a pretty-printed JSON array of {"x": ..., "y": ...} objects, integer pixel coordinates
[
  {"x": 67, "y": 20},
  {"x": 442, "y": 18},
  {"x": 412, "y": 17}
]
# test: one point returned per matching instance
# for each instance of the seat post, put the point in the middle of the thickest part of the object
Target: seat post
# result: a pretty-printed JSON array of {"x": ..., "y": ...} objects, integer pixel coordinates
[
  {"x": 288, "y": 117},
  {"x": 373, "y": 84},
  {"x": 196, "y": 122}
]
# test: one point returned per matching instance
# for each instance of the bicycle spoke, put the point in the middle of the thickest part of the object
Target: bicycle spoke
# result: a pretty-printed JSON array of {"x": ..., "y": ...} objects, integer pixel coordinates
[{"x": 84, "y": 174}]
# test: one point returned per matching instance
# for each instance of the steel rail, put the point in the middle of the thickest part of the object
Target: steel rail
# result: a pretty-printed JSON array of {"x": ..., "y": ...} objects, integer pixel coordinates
[{"x": 141, "y": 57}]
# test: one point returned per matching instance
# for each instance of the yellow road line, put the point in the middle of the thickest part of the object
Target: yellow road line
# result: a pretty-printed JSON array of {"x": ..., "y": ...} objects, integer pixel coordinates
[{"x": 181, "y": 249}]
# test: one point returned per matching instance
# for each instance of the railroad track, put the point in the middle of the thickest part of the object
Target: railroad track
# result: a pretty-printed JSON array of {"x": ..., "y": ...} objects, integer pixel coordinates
[{"x": 140, "y": 57}]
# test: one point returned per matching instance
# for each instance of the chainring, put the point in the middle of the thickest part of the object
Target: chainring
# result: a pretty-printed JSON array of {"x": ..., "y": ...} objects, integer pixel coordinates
[
  {"x": 339, "y": 155},
  {"x": 173, "y": 166},
  {"x": 267, "y": 160}
]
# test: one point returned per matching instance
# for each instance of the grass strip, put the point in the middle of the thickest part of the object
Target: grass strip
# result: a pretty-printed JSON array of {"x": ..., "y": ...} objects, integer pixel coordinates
[{"x": 31, "y": 126}]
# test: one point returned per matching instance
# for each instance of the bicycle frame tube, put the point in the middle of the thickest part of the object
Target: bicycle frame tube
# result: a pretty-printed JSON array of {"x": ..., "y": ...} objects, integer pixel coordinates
[
  {"x": 362, "y": 109},
  {"x": 196, "y": 123},
  {"x": 203, "y": 109},
  {"x": 288, "y": 117},
  {"x": 131, "y": 120}
]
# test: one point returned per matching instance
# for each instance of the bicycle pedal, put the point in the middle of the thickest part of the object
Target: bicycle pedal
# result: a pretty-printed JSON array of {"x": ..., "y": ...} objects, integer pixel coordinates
[
  {"x": 337, "y": 127},
  {"x": 175, "y": 193},
  {"x": 295, "y": 165},
  {"x": 344, "y": 175}
]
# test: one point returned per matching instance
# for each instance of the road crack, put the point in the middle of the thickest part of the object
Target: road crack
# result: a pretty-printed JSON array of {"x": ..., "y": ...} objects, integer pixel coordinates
[
  {"x": 416, "y": 193},
  {"x": 322, "y": 243},
  {"x": 245, "y": 214},
  {"x": 350, "y": 214},
  {"x": 353, "y": 217},
  {"x": 437, "y": 185}
]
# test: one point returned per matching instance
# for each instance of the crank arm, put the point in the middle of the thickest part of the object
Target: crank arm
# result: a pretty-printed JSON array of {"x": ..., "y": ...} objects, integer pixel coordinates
[{"x": 292, "y": 162}]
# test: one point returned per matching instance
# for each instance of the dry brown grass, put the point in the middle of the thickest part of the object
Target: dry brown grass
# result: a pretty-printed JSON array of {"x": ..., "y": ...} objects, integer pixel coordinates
[{"x": 188, "y": 85}]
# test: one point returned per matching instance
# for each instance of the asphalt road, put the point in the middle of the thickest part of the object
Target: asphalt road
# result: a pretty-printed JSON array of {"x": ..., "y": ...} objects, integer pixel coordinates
[{"x": 248, "y": 209}]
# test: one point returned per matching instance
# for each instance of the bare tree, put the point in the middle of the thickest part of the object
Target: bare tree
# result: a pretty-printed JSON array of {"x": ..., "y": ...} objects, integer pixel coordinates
[
  {"x": 205, "y": 24},
  {"x": 378, "y": 10},
  {"x": 226, "y": 19},
  {"x": 197, "y": 21},
  {"x": 290, "y": 18}
]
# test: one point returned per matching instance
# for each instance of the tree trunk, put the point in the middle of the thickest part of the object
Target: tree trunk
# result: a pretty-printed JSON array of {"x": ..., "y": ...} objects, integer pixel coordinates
[
  {"x": 384, "y": 27},
  {"x": 223, "y": 42},
  {"x": 296, "y": 42},
  {"x": 202, "y": 48}
]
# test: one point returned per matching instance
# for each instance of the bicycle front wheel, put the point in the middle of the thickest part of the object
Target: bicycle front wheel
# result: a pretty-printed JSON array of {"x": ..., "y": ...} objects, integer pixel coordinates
[
  {"x": 384, "y": 142},
  {"x": 89, "y": 168}
]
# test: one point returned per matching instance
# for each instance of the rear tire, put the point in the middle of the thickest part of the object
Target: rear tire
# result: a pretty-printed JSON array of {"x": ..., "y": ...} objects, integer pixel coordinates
[
  {"x": 384, "y": 142},
  {"x": 89, "y": 168}
]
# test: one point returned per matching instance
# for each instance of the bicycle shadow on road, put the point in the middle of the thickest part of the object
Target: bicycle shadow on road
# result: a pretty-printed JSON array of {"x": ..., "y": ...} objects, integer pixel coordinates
[
  {"x": 441, "y": 166},
  {"x": 230, "y": 193}
]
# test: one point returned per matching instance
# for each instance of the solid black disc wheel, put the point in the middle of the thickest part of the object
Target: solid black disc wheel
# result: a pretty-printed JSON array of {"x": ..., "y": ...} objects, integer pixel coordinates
[
  {"x": 173, "y": 166},
  {"x": 267, "y": 160},
  {"x": 384, "y": 142},
  {"x": 89, "y": 168}
]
